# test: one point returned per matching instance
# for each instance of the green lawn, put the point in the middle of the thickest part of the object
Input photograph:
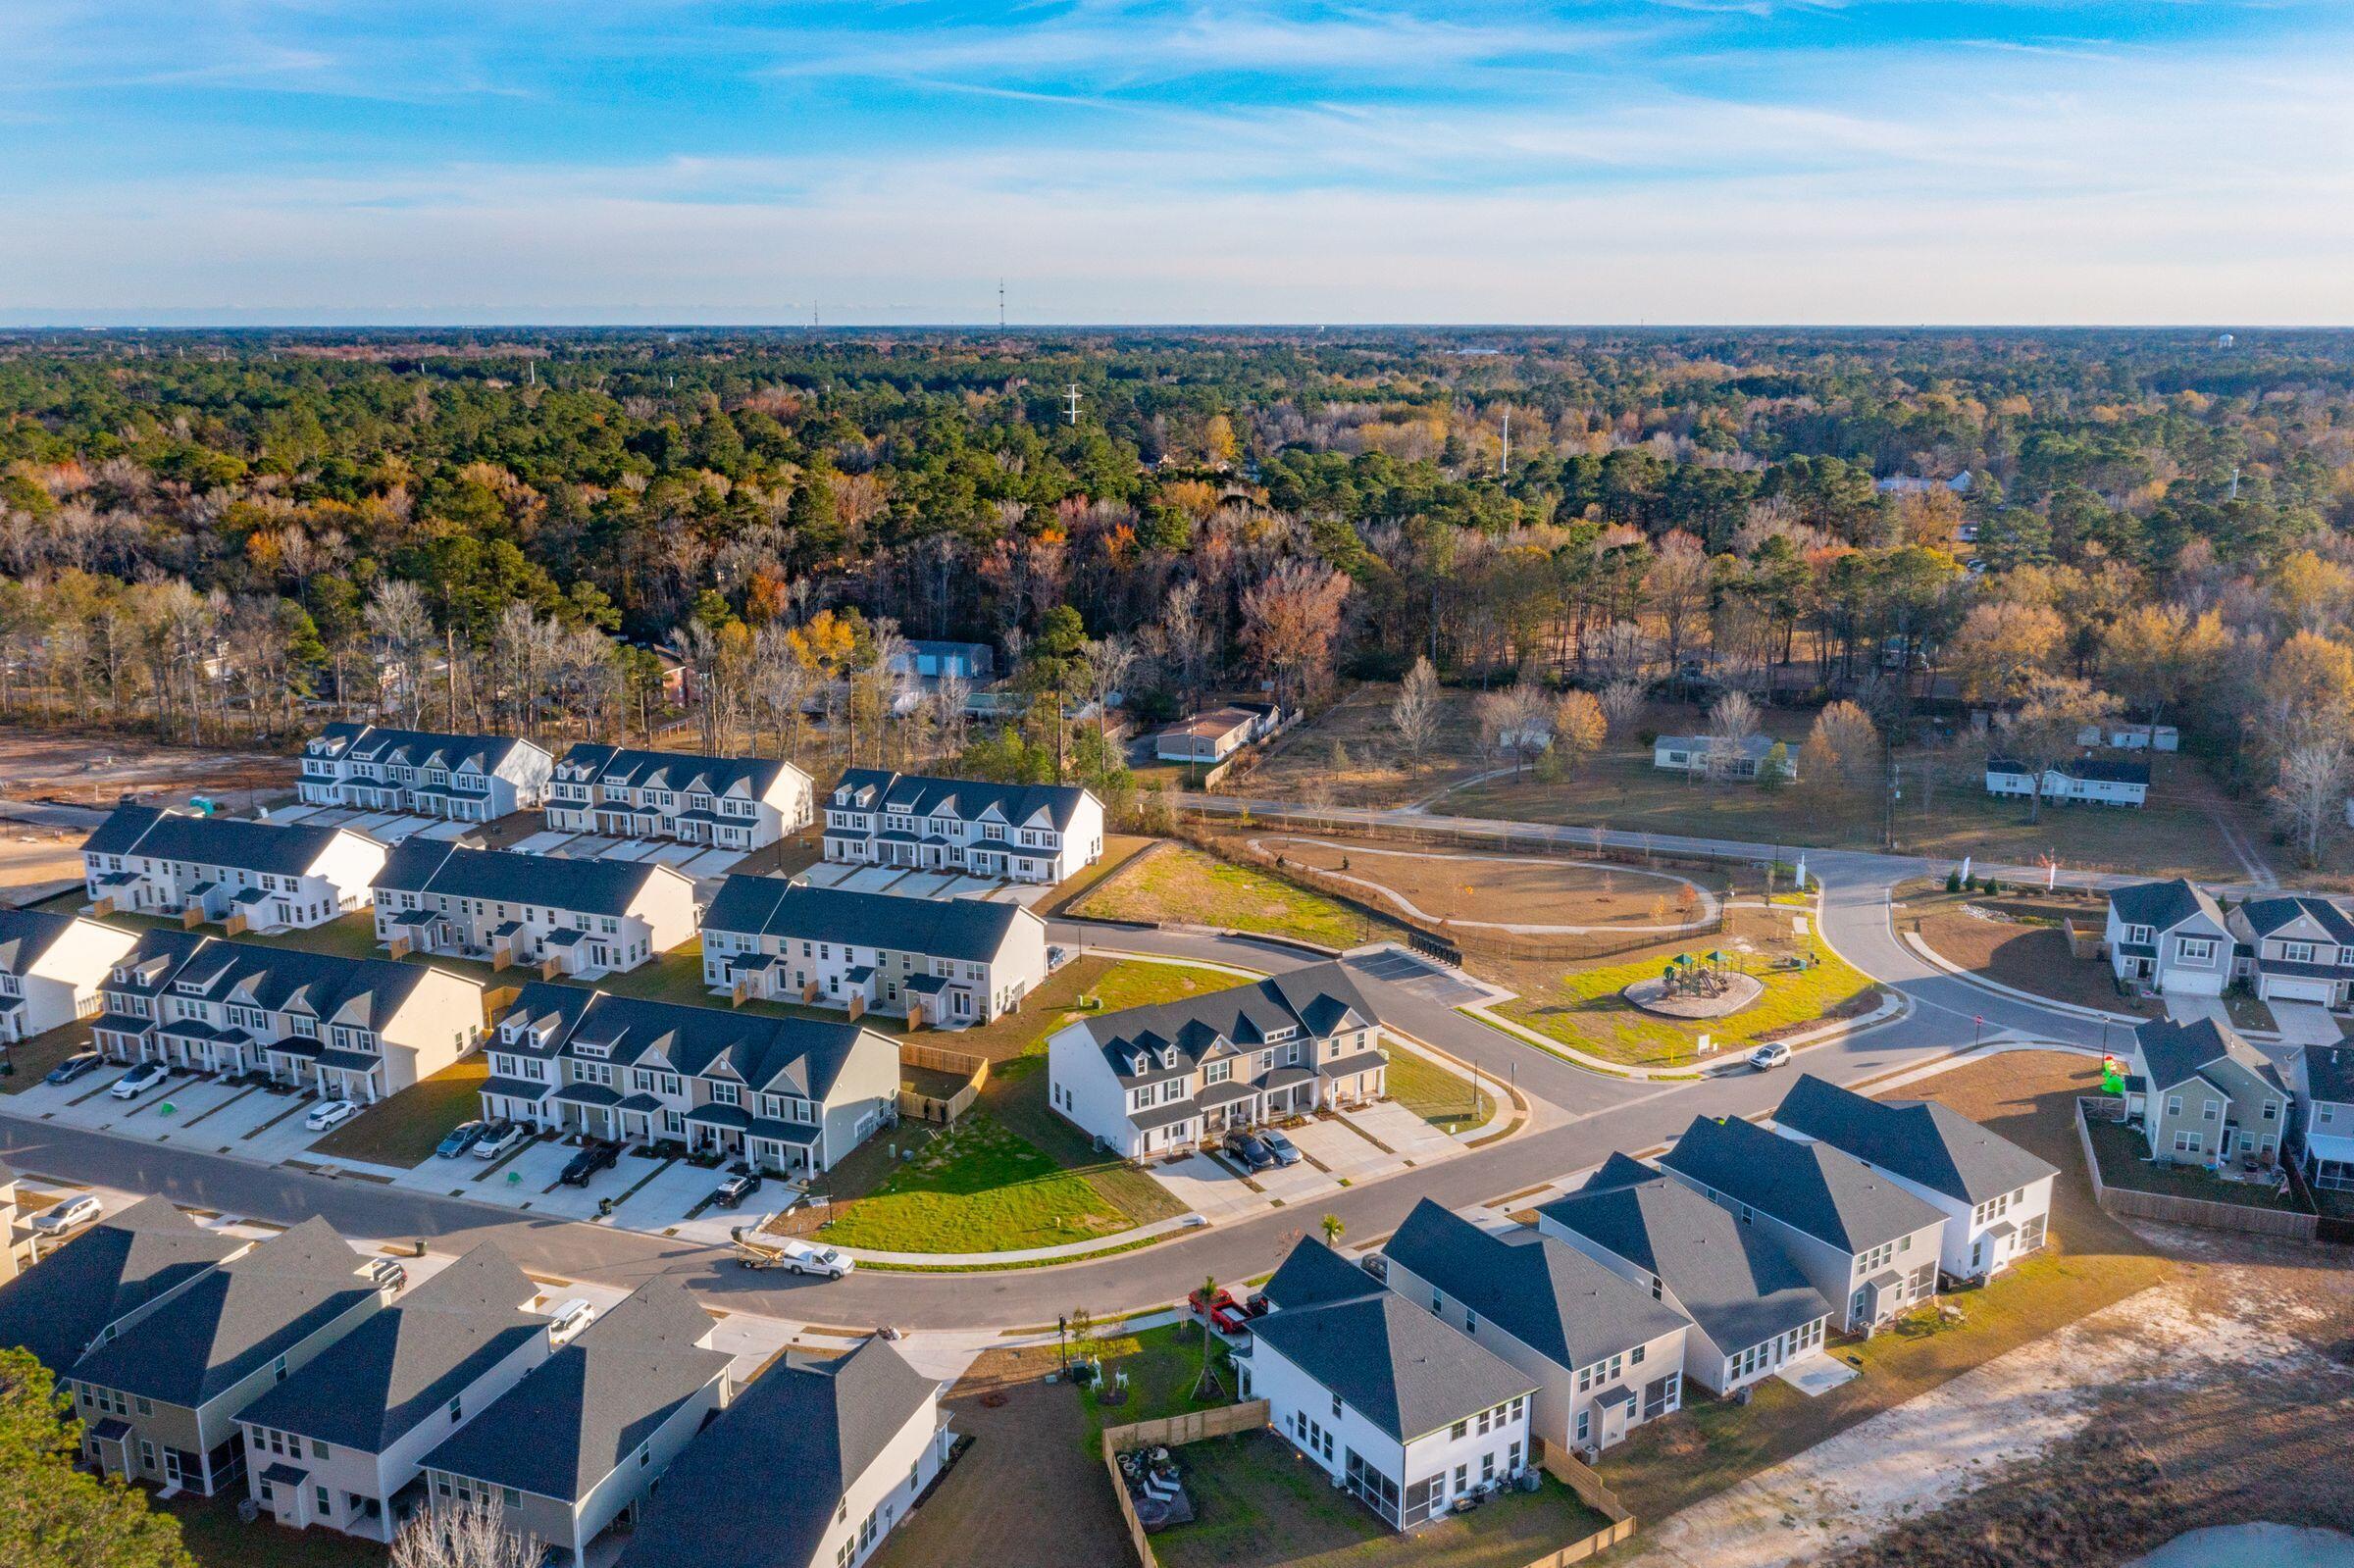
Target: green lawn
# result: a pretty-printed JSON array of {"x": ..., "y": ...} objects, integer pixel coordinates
[
  {"x": 1184, "y": 884},
  {"x": 217, "y": 1539},
  {"x": 403, "y": 1130},
  {"x": 1440, "y": 1097},
  {"x": 1163, "y": 1367},
  {"x": 1583, "y": 1007},
  {"x": 2120, "y": 1151},
  {"x": 980, "y": 1187}
]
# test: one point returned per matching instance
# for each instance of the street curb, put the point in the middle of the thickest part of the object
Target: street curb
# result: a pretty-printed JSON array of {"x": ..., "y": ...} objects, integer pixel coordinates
[{"x": 2012, "y": 994}]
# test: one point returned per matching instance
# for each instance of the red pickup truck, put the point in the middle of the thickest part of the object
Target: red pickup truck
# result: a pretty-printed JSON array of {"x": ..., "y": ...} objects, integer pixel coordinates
[{"x": 1225, "y": 1313}]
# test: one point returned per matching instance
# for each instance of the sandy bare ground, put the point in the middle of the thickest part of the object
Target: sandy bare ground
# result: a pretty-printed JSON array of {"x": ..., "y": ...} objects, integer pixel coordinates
[
  {"x": 1460, "y": 888},
  {"x": 32, "y": 856},
  {"x": 2258, "y": 1319},
  {"x": 96, "y": 768}
]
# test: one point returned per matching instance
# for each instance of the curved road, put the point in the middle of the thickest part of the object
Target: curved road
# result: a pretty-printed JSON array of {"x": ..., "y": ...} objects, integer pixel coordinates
[{"x": 1602, "y": 1114}]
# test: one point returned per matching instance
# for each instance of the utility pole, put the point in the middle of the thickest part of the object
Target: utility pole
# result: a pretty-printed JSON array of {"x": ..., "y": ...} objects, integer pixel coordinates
[
  {"x": 1504, "y": 468},
  {"x": 1071, "y": 413},
  {"x": 1001, "y": 304},
  {"x": 1896, "y": 791}
]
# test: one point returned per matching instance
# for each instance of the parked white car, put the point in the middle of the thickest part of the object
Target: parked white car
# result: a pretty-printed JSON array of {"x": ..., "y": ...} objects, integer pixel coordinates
[
  {"x": 806, "y": 1257},
  {"x": 566, "y": 1320},
  {"x": 1768, "y": 1056},
  {"x": 60, "y": 1218},
  {"x": 497, "y": 1139},
  {"x": 327, "y": 1113},
  {"x": 138, "y": 1081}
]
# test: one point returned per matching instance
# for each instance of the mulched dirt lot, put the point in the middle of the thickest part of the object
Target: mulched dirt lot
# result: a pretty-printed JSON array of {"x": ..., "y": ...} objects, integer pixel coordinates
[
  {"x": 98, "y": 767},
  {"x": 1028, "y": 1493},
  {"x": 2014, "y": 951},
  {"x": 1531, "y": 889}
]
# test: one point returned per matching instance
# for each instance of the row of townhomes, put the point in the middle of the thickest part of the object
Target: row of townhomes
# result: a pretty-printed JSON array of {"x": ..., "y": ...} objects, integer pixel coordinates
[
  {"x": 582, "y": 918},
  {"x": 1013, "y": 833},
  {"x": 356, "y": 1028},
  {"x": 2175, "y": 938},
  {"x": 459, "y": 778},
  {"x": 728, "y": 803},
  {"x": 1159, "y": 1080},
  {"x": 790, "y": 1095},
  {"x": 266, "y": 877},
  {"x": 51, "y": 966},
  {"x": 283, "y": 1370},
  {"x": 935, "y": 961},
  {"x": 1439, "y": 1363}
]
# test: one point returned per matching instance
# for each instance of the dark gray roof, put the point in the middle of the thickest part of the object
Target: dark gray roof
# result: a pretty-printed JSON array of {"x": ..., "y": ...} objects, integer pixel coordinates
[
  {"x": 2175, "y": 1053},
  {"x": 408, "y": 1361},
  {"x": 1812, "y": 1188},
  {"x": 2162, "y": 905},
  {"x": 966, "y": 799},
  {"x": 679, "y": 771},
  {"x": 1392, "y": 1361},
  {"x": 364, "y": 742},
  {"x": 2329, "y": 1073},
  {"x": 783, "y": 1055},
  {"x": 941, "y": 928},
  {"x": 119, "y": 1265},
  {"x": 234, "y": 1320},
  {"x": 1312, "y": 1272},
  {"x": 2265, "y": 916},
  {"x": 1314, "y": 1002},
  {"x": 578, "y": 1414},
  {"x": 286, "y": 849},
  {"x": 363, "y": 991},
  {"x": 2099, "y": 770},
  {"x": 591, "y": 887},
  {"x": 1921, "y": 1141},
  {"x": 1731, "y": 1278},
  {"x": 1546, "y": 1293},
  {"x": 821, "y": 1423},
  {"x": 26, "y": 933},
  {"x": 153, "y": 960}
]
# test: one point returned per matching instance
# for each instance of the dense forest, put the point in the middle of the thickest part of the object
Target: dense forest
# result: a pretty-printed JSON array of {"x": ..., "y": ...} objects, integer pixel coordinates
[{"x": 491, "y": 523}]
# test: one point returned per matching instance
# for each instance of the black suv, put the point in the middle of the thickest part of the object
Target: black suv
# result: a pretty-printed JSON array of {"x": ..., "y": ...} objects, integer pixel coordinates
[{"x": 587, "y": 1162}]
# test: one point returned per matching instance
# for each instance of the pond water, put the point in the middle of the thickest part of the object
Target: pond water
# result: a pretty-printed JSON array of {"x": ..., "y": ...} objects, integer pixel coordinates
[{"x": 2254, "y": 1546}]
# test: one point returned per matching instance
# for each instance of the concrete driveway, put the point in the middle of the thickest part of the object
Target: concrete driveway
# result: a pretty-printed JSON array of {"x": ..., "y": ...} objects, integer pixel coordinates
[
  {"x": 2306, "y": 1024},
  {"x": 2190, "y": 1009},
  {"x": 661, "y": 1206},
  {"x": 1402, "y": 1130},
  {"x": 1341, "y": 1150},
  {"x": 1207, "y": 1188},
  {"x": 1294, "y": 1183}
]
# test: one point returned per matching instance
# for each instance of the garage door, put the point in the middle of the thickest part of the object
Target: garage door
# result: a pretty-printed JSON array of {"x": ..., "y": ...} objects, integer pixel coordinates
[{"x": 2297, "y": 991}]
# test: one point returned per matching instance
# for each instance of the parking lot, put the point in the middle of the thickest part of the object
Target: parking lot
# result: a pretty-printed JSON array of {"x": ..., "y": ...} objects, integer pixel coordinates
[
  {"x": 695, "y": 860},
  {"x": 385, "y": 827}
]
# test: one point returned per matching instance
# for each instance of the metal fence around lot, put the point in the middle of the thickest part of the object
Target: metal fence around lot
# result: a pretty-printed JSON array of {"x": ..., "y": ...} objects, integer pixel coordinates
[{"x": 2130, "y": 1204}]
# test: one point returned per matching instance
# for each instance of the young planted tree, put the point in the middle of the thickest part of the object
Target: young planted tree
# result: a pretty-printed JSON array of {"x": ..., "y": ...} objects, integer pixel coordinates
[
  {"x": 1579, "y": 729},
  {"x": 1414, "y": 715},
  {"x": 1208, "y": 1380}
]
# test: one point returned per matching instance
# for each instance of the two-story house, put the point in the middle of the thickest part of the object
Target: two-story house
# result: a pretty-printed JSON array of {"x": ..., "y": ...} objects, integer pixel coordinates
[
  {"x": 1011, "y": 833},
  {"x": 790, "y": 1095},
  {"x": 91, "y": 1289},
  {"x": 577, "y": 1443},
  {"x": 582, "y": 918},
  {"x": 2082, "y": 782},
  {"x": 339, "y": 1442},
  {"x": 267, "y": 876},
  {"x": 1867, "y": 1244},
  {"x": 2204, "y": 1094},
  {"x": 1996, "y": 1196},
  {"x": 51, "y": 968},
  {"x": 944, "y": 962},
  {"x": 1400, "y": 1409},
  {"x": 357, "y": 1029},
  {"x": 726, "y": 802},
  {"x": 861, "y": 1437},
  {"x": 2293, "y": 949},
  {"x": 461, "y": 777},
  {"x": 160, "y": 1399},
  {"x": 1606, "y": 1355},
  {"x": 1158, "y": 1080},
  {"x": 2170, "y": 937},
  {"x": 1752, "y": 1310},
  {"x": 2322, "y": 1079}
]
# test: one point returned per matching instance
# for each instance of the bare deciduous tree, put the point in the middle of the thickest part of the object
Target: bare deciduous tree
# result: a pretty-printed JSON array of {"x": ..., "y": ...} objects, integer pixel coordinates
[
  {"x": 465, "y": 1535},
  {"x": 1621, "y": 705},
  {"x": 2311, "y": 792},
  {"x": 1416, "y": 712}
]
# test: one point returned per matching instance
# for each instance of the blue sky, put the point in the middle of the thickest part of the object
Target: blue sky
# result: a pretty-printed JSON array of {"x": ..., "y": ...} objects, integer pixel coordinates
[{"x": 1616, "y": 161}]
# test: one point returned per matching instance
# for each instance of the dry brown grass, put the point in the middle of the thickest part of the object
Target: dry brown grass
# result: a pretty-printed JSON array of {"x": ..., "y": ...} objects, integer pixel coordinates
[
  {"x": 1517, "y": 890},
  {"x": 2016, "y": 948}
]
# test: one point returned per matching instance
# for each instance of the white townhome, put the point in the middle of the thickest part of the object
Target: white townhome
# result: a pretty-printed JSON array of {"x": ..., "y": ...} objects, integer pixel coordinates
[
  {"x": 790, "y": 1095},
  {"x": 51, "y": 969},
  {"x": 1752, "y": 1311},
  {"x": 1401, "y": 1410},
  {"x": 861, "y": 1437},
  {"x": 1864, "y": 1242},
  {"x": 1157, "y": 1080},
  {"x": 270, "y": 875},
  {"x": 1996, "y": 1196},
  {"x": 463, "y": 778},
  {"x": 726, "y": 802},
  {"x": 2171, "y": 936},
  {"x": 355, "y": 1028},
  {"x": 1013, "y": 832},
  {"x": 944, "y": 962},
  {"x": 338, "y": 1443},
  {"x": 582, "y": 918},
  {"x": 1606, "y": 1355}
]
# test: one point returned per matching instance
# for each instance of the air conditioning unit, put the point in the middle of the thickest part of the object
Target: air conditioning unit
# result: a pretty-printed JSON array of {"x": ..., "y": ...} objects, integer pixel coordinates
[{"x": 1591, "y": 1453}]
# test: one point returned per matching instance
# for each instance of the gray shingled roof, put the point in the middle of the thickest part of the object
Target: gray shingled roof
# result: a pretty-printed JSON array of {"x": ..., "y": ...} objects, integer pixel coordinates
[
  {"x": 2329, "y": 1073},
  {"x": 942, "y": 928},
  {"x": 791, "y": 1054},
  {"x": 2161, "y": 905},
  {"x": 590, "y": 886},
  {"x": 1315, "y": 1001},
  {"x": 1811, "y": 1187},
  {"x": 2265, "y": 916},
  {"x": 407, "y": 1362},
  {"x": 1921, "y": 1141},
  {"x": 26, "y": 933},
  {"x": 290, "y": 980},
  {"x": 1546, "y": 1293},
  {"x": 922, "y": 794},
  {"x": 680, "y": 771},
  {"x": 1392, "y": 1361},
  {"x": 366, "y": 742},
  {"x": 820, "y": 1423},
  {"x": 2175, "y": 1053},
  {"x": 578, "y": 1414},
  {"x": 235, "y": 1320},
  {"x": 1734, "y": 1282},
  {"x": 125, "y": 1261},
  {"x": 1312, "y": 1273},
  {"x": 286, "y": 849}
]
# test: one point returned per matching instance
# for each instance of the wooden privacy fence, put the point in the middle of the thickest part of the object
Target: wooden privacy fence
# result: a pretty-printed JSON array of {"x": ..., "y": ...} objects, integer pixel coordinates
[
  {"x": 2130, "y": 1203},
  {"x": 1565, "y": 1467},
  {"x": 915, "y": 1105},
  {"x": 1192, "y": 1427}
]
